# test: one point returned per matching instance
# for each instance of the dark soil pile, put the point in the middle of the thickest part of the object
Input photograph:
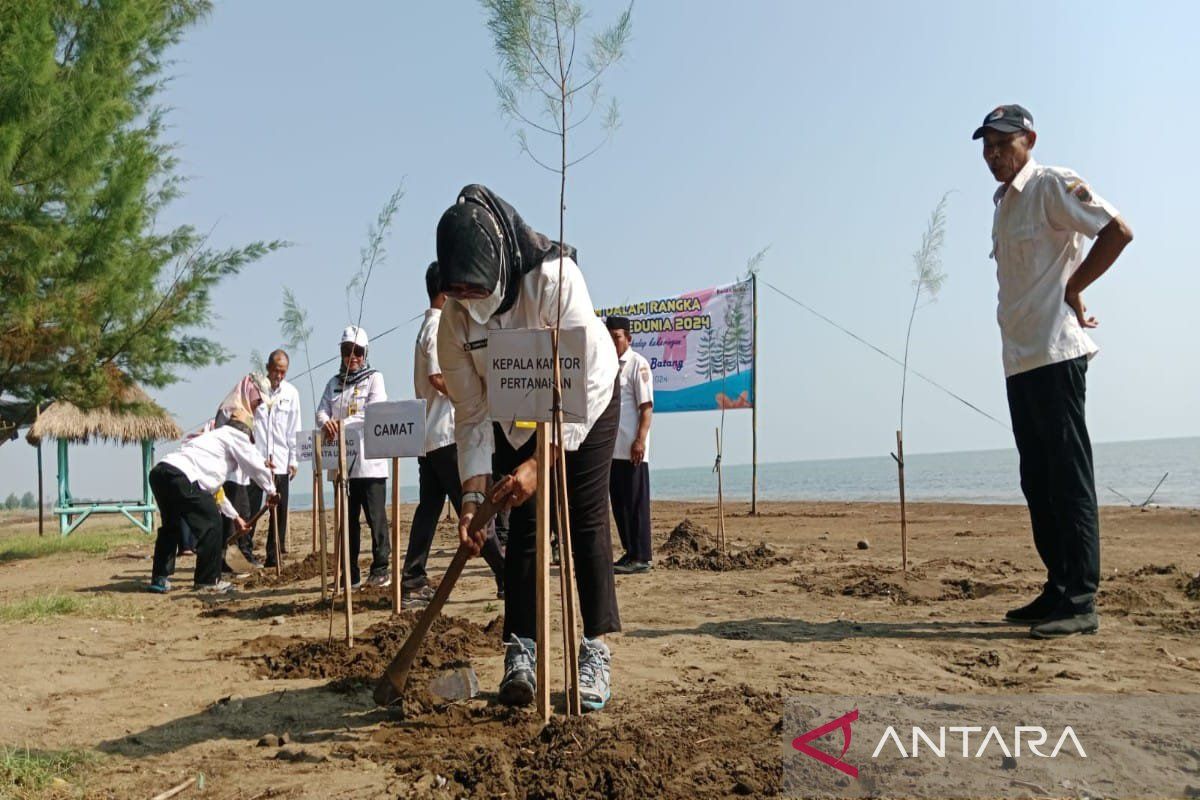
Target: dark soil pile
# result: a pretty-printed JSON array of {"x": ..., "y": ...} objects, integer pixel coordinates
[
  {"x": 310, "y": 567},
  {"x": 722, "y": 743},
  {"x": 451, "y": 641},
  {"x": 692, "y": 546},
  {"x": 1192, "y": 588}
]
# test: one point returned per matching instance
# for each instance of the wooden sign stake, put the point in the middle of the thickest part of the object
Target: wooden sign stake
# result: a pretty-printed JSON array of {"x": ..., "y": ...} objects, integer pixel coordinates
[
  {"x": 347, "y": 584},
  {"x": 395, "y": 535},
  {"x": 319, "y": 507},
  {"x": 543, "y": 571}
]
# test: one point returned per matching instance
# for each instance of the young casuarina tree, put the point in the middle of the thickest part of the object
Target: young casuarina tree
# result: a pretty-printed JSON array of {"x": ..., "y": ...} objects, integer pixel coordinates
[
  {"x": 96, "y": 292},
  {"x": 927, "y": 262}
]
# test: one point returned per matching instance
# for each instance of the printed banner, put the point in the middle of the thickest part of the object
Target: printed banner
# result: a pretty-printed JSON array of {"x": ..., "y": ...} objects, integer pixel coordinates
[{"x": 700, "y": 347}]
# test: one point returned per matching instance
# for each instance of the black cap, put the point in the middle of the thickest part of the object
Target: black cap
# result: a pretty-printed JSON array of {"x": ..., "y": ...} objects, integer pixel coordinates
[
  {"x": 617, "y": 324},
  {"x": 1006, "y": 119}
]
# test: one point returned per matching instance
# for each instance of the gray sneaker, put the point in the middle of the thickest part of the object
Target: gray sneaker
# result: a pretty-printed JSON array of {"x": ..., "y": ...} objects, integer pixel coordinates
[
  {"x": 220, "y": 587},
  {"x": 595, "y": 674},
  {"x": 381, "y": 580},
  {"x": 416, "y": 599},
  {"x": 520, "y": 665}
]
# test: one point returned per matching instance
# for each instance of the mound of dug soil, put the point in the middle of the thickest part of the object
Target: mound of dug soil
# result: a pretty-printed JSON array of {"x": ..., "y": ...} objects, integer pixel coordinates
[
  {"x": 722, "y": 743},
  {"x": 451, "y": 641},
  {"x": 310, "y": 567},
  {"x": 692, "y": 546}
]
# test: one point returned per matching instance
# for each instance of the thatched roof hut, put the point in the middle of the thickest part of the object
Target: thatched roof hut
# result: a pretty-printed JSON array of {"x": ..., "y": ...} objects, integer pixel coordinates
[{"x": 135, "y": 419}]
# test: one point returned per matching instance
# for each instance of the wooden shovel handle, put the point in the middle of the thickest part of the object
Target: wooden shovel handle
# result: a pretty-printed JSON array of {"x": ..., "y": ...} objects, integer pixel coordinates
[{"x": 250, "y": 523}]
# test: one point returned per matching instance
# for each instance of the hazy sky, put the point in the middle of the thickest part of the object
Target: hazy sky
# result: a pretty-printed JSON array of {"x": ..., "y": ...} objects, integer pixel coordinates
[{"x": 827, "y": 130}]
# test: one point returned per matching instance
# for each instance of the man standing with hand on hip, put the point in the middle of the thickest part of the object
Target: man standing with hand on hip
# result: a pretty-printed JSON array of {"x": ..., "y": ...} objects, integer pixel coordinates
[
  {"x": 629, "y": 483},
  {"x": 1042, "y": 216}
]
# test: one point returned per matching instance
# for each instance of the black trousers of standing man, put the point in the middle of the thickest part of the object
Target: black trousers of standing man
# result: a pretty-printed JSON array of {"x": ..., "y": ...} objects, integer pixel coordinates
[
  {"x": 1047, "y": 408},
  {"x": 629, "y": 490},
  {"x": 181, "y": 501},
  {"x": 438, "y": 478},
  {"x": 369, "y": 495},
  {"x": 281, "y": 513},
  {"x": 588, "y": 470}
]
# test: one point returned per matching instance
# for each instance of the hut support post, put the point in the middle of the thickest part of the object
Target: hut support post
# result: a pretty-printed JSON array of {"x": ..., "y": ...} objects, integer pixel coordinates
[
  {"x": 147, "y": 495},
  {"x": 64, "y": 487}
]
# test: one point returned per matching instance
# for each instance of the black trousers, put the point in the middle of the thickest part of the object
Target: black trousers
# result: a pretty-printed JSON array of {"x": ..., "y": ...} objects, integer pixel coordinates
[
  {"x": 438, "y": 477},
  {"x": 255, "y": 493},
  {"x": 1047, "y": 408},
  {"x": 629, "y": 489},
  {"x": 180, "y": 501},
  {"x": 239, "y": 495},
  {"x": 369, "y": 495},
  {"x": 588, "y": 470}
]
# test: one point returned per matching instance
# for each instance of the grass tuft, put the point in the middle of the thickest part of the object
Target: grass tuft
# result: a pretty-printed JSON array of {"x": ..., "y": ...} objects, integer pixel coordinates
[
  {"x": 17, "y": 548},
  {"x": 24, "y": 773},
  {"x": 39, "y": 608}
]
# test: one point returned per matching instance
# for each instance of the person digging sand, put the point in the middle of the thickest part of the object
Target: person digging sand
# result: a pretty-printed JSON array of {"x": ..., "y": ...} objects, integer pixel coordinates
[
  {"x": 187, "y": 486},
  {"x": 500, "y": 273}
]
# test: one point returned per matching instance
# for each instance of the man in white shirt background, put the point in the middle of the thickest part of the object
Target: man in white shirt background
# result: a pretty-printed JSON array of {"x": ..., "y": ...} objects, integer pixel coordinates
[
  {"x": 1042, "y": 216},
  {"x": 438, "y": 468},
  {"x": 629, "y": 484},
  {"x": 276, "y": 426}
]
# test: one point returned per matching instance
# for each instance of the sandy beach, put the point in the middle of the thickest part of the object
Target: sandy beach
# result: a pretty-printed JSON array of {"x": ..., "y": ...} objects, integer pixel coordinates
[{"x": 166, "y": 688}]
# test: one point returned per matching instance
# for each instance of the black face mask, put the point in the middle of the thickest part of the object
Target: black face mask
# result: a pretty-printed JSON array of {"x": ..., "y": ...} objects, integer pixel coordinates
[{"x": 482, "y": 242}]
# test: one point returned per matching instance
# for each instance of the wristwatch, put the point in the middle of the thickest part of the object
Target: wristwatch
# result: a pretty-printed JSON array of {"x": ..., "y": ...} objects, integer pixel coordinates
[{"x": 474, "y": 497}]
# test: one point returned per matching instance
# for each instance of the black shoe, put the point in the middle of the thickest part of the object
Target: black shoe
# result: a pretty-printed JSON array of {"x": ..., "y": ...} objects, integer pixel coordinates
[
  {"x": 1041, "y": 609},
  {"x": 633, "y": 567},
  {"x": 1066, "y": 625},
  {"x": 622, "y": 561},
  {"x": 268, "y": 565}
]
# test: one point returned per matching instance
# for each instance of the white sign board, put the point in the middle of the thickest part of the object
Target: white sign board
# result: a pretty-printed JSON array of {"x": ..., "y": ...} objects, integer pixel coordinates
[
  {"x": 329, "y": 447},
  {"x": 520, "y": 379},
  {"x": 395, "y": 429},
  {"x": 304, "y": 448}
]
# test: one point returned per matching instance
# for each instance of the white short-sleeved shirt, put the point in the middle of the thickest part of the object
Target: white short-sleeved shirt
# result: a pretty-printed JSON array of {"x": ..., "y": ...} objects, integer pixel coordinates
[
  {"x": 1038, "y": 229},
  {"x": 462, "y": 351},
  {"x": 351, "y": 405},
  {"x": 637, "y": 389},
  {"x": 439, "y": 411}
]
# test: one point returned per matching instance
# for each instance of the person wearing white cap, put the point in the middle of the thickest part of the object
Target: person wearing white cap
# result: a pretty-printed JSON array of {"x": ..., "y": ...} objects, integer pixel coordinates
[{"x": 346, "y": 397}]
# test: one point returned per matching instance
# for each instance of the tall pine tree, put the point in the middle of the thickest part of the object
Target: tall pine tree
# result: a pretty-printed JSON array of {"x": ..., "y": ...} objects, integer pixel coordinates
[{"x": 95, "y": 293}]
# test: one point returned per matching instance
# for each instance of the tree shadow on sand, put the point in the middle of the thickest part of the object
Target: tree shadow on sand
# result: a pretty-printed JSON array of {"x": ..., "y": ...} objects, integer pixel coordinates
[
  {"x": 798, "y": 631},
  {"x": 311, "y": 715}
]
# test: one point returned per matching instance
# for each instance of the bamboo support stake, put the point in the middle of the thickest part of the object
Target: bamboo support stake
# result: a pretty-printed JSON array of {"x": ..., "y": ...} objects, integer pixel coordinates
[
  {"x": 543, "y": 571},
  {"x": 347, "y": 583},
  {"x": 319, "y": 504},
  {"x": 395, "y": 536},
  {"x": 899, "y": 456},
  {"x": 754, "y": 398},
  {"x": 566, "y": 570},
  {"x": 337, "y": 536},
  {"x": 720, "y": 498}
]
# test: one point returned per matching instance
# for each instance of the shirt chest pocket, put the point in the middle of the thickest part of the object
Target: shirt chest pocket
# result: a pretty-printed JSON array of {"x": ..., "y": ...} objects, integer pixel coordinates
[{"x": 1017, "y": 249}]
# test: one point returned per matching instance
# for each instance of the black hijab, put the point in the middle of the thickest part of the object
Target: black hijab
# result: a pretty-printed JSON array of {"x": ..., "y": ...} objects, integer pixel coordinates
[{"x": 482, "y": 241}]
